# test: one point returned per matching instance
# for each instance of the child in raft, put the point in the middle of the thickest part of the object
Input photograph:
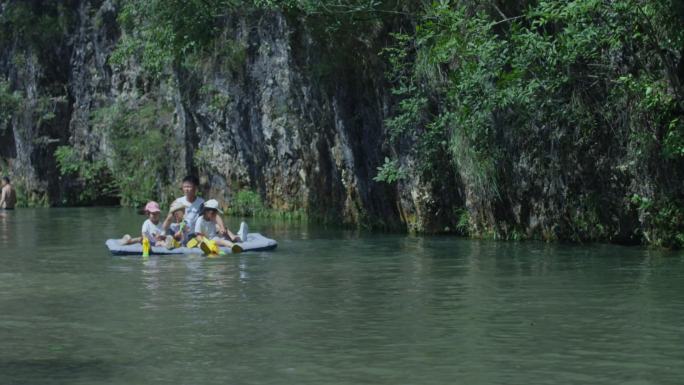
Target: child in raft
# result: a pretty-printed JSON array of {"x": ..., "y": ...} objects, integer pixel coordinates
[
  {"x": 176, "y": 226},
  {"x": 205, "y": 227},
  {"x": 151, "y": 228}
]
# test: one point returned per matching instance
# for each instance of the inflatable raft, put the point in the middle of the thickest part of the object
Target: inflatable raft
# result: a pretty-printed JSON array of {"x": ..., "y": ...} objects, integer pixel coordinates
[{"x": 254, "y": 242}]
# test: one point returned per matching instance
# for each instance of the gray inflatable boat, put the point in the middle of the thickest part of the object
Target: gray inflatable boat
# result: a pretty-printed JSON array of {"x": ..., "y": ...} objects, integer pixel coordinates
[{"x": 254, "y": 242}]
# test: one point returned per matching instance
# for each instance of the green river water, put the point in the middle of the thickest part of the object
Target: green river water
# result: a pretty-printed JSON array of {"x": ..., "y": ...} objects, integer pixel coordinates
[{"x": 331, "y": 306}]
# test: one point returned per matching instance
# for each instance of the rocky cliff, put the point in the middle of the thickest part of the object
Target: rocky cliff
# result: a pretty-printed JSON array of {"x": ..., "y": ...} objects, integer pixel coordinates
[
  {"x": 277, "y": 117},
  {"x": 273, "y": 106}
]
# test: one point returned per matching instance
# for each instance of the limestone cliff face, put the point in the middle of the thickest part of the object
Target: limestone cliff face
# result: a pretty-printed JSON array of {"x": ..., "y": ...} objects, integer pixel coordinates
[
  {"x": 37, "y": 110},
  {"x": 267, "y": 121},
  {"x": 274, "y": 110}
]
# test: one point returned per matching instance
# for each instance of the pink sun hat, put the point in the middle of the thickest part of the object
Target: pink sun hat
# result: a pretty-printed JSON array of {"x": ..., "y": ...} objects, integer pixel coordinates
[{"x": 152, "y": 207}]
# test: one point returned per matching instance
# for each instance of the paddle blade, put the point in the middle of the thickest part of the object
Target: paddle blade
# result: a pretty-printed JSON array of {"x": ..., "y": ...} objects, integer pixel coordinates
[
  {"x": 206, "y": 249},
  {"x": 145, "y": 247},
  {"x": 192, "y": 243},
  {"x": 213, "y": 247}
]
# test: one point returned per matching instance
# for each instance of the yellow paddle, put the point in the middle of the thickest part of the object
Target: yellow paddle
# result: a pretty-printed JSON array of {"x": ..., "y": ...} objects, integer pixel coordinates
[
  {"x": 210, "y": 248},
  {"x": 145, "y": 247},
  {"x": 192, "y": 243},
  {"x": 206, "y": 249},
  {"x": 176, "y": 244}
]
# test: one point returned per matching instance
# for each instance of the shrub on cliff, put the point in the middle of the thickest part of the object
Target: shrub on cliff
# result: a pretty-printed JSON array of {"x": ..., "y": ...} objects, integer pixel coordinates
[{"x": 560, "y": 106}]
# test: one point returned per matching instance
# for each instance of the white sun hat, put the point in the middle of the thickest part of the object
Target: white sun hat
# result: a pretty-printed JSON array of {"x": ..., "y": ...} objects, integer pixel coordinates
[
  {"x": 177, "y": 205},
  {"x": 212, "y": 204}
]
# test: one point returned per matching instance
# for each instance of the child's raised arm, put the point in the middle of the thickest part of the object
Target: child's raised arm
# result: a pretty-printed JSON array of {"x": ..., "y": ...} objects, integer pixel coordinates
[{"x": 167, "y": 222}]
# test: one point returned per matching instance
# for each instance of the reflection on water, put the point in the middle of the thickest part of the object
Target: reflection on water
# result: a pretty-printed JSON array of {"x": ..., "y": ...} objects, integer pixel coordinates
[
  {"x": 4, "y": 227},
  {"x": 331, "y": 307}
]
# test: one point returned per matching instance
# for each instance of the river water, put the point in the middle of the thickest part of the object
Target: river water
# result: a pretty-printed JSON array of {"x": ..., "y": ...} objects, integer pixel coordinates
[{"x": 331, "y": 306}]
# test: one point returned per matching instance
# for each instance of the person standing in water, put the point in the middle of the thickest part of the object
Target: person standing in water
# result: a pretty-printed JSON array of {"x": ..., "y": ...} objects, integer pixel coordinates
[{"x": 8, "y": 197}]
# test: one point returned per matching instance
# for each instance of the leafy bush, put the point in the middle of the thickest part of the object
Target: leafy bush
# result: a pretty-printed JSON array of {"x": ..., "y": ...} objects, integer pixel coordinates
[
  {"x": 142, "y": 147},
  {"x": 663, "y": 220},
  {"x": 28, "y": 197},
  {"x": 9, "y": 103},
  {"x": 390, "y": 172},
  {"x": 162, "y": 33},
  {"x": 39, "y": 23},
  {"x": 247, "y": 203},
  {"x": 95, "y": 179},
  {"x": 568, "y": 79},
  {"x": 463, "y": 224}
]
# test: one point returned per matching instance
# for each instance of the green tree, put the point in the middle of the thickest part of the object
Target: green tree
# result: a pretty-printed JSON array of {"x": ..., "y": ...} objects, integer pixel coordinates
[{"x": 544, "y": 76}]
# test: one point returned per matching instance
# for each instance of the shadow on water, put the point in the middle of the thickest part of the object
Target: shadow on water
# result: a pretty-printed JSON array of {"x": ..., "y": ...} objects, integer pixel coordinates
[{"x": 53, "y": 371}]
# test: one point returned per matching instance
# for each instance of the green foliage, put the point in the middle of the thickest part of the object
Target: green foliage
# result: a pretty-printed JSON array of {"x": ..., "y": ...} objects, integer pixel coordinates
[
  {"x": 479, "y": 87},
  {"x": 642, "y": 203},
  {"x": 9, "y": 103},
  {"x": 663, "y": 220},
  {"x": 336, "y": 16},
  {"x": 94, "y": 175},
  {"x": 41, "y": 24},
  {"x": 452, "y": 99},
  {"x": 463, "y": 224},
  {"x": 673, "y": 146},
  {"x": 248, "y": 203},
  {"x": 28, "y": 197},
  {"x": 142, "y": 147},
  {"x": 161, "y": 33},
  {"x": 390, "y": 172},
  {"x": 67, "y": 160},
  {"x": 558, "y": 74},
  {"x": 202, "y": 160},
  {"x": 586, "y": 225},
  {"x": 231, "y": 55},
  {"x": 217, "y": 99}
]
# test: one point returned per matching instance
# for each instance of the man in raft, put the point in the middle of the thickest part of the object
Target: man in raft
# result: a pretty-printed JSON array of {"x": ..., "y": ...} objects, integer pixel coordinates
[{"x": 194, "y": 204}]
